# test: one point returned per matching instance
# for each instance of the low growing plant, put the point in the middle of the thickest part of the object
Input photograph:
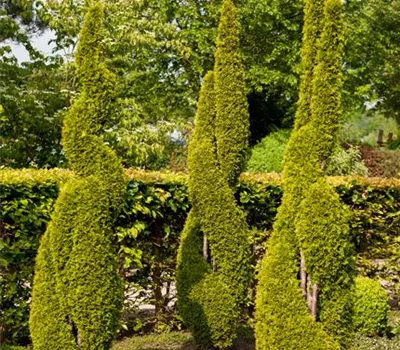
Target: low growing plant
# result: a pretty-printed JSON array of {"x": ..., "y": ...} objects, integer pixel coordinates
[{"x": 371, "y": 307}]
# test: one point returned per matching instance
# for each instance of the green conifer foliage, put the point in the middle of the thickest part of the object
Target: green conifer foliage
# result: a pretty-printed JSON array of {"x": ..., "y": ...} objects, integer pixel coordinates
[
  {"x": 191, "y": 267},
  {"x": 282, "y": 317},
  {"x": 323, "y": 229},
  {"x": 77, "y": 294},
  {"x": 232, "y": 120},
  {"x": 323, "y": 223},
  {"x": 305, "y": 220},
  {"x": 211, "y": 293},
  {"x": 328, "y": 82},
  {"x": 313, "y": 23}
]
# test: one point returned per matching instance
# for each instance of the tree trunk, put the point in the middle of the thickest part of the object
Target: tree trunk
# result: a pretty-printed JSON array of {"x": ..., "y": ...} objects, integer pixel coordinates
[
  {"x": 303, "y": 275},
  {"x": 158, "y": 297},
  {"x": 205, "y": 248},
  {"x": 314, "y": 300}
]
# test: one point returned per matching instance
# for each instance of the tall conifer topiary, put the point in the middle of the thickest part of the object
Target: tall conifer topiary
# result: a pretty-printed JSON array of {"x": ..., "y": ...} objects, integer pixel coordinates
[
  {"x": 322, "y": 225},
  {"x": 211, "y": 291},
  {"x": 191, "y": 265},
  {"x": 311, "y": 219},
  {"x": 312, "y": 29},
  {"x": 77, "y": 294},
  {"x": 232, "y": 117}
]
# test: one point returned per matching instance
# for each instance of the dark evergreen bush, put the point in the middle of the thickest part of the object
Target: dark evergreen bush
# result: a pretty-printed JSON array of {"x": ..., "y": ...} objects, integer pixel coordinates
[{"x": 77, "y": 295}]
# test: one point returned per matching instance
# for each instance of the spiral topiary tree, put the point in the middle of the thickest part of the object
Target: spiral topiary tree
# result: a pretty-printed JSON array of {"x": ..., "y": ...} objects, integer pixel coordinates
[
  {"x": 322, "y": 226},
  {"x": 323, "y": 221},
  {"x": 312, "y": 29},
  {"x": 77, "y": 295},
  {"x": 315, "y": 311},
  {"x": 232, "y": 117},
  {"x": 191, "y": 266},
  {"x": 212, "y": 289}
]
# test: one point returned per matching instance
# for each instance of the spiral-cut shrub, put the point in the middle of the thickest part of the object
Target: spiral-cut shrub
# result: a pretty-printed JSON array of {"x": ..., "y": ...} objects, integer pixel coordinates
[
  {"x": 191, "y": 267},
  {"x": 322, "y": 227},
  {"x": 312, "y": 29},
  {"x": 211, "y": 293},
  {"x": 76, "y": 298},
  {"x": 232, "y": 117},
  {"x": 371, "y": 307},
  {"x": 309, "y": 205}
]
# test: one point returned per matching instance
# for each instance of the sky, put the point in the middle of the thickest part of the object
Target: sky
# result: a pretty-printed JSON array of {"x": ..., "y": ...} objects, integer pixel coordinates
[{"x": 40, "y": 42}]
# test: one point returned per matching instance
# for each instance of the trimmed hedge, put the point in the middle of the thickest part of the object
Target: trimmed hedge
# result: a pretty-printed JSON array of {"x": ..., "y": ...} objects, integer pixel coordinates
[{"x": 156, "y": 206}]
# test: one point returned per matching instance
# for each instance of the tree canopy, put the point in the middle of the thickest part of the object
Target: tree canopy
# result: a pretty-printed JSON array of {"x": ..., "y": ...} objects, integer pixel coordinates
[{"x": 160, "y": 50}]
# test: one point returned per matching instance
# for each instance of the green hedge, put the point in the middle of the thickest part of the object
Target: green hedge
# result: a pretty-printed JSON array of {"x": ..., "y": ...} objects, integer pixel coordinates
[{"x": 149, "y": 228}]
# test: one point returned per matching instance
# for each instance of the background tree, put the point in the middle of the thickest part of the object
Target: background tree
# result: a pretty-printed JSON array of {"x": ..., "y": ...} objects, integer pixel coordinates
[
  {"x": 372, "y": 54},
  {"x": 32, "y": 94},
  {"x": 32, "y": 99},
  {"x": 159, "y": 51},
  {"x": 172, "y": 44}
]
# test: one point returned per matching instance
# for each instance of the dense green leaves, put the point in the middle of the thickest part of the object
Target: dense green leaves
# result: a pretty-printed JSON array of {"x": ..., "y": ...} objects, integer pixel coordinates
[
  {"x": 371, "y": 307},
  {"x": 322, "y": 227},
  {"x": 160, "y": 204},
  {"x": 372, "y": 54},
  {"x": 77, "y": 294},
  {"x": 32, "y": 101},
  {"x": 213, "y": 286},
  {"x": 297, "y": 298},
  {"x": 161, "y": 49}
]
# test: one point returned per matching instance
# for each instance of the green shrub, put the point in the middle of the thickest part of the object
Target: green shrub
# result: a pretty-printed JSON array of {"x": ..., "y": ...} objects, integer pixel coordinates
[
  {"x": 361, "y": 342},
  {"x": 312, "y": 29},
  {"x": 232, "y": 117},
  {"x": 371, "y": 307},
  {"x": 191, "y": 266},
  {"x": 346, "y": 162},
  {"x": 282, "y": 317},
  {"x": 267, "y": 155},
  {"x": 149, "y": 228},
  {"x": 77, "y": 294}
]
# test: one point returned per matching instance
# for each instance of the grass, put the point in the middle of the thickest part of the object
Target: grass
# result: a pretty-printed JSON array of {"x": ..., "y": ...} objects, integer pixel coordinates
[
  {"x": 184, "y": 341},
  {"x": 163, "y": 341}
]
